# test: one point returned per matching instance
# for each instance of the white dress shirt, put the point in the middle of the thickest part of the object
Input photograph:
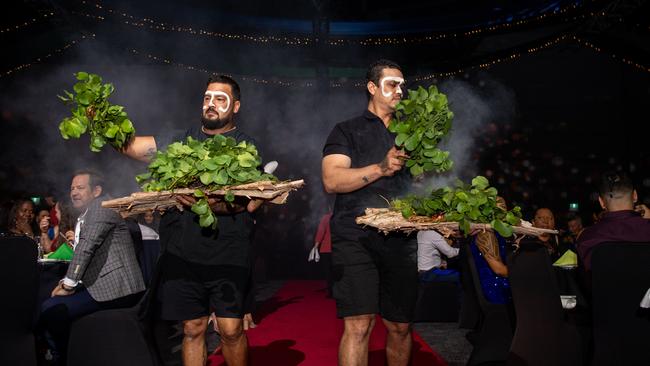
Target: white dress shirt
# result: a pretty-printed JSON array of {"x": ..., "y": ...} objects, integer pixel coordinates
[
  {"x": 80, "y": 221},
  {"x": 430, "y": 245}
]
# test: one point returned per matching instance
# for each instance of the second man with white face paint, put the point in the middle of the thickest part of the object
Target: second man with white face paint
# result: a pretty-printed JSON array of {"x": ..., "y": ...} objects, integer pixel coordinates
[
  {"x": 373, "y": 273},
  {"x": 205, "y": 270}
]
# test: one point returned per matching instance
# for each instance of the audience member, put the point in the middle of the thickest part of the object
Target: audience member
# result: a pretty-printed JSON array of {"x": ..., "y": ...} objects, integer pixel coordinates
[
  {"x": 544, "y": 219},
  {"x": 46, "y": 232},
  {"x": 489, "y": 251},
  {"x": 575, "y": 228},
  {"x": 21, "y": 217},
  {"x": 150, "y": 219},
  {"x": 620, "y": 222},
  {"x": 431, "y": 266},
  {"x": 104, "y": 271}
]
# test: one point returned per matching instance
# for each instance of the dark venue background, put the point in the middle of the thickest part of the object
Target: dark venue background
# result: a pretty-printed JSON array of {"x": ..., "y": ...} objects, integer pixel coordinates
[{"x": 547, "y": 94}]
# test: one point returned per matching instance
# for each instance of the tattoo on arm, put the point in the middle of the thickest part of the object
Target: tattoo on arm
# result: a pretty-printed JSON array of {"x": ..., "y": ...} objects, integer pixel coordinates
[
  {"x": 384, "y": 165},
  {"x": 487, "y": 244},
  {"x": 150, "y": 153}
]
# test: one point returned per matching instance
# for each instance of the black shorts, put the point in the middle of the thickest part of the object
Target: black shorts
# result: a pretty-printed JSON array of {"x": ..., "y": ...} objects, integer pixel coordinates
[
  {"x": 385, "y": 283},
  {"x": 191, "y": 291}
]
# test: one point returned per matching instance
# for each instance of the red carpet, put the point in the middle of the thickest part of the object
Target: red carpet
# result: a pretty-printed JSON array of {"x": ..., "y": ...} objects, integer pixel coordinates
[{"x": 298, "y": 326}]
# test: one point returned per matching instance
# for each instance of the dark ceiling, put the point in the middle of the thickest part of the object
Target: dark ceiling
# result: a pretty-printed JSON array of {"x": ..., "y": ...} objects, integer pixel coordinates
[{"x": 318, "y": 38}]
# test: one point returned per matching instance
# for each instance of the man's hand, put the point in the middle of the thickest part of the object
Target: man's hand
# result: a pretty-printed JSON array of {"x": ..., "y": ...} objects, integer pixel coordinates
[
  {"x": 248, "y": 321},
  {"x": 254, "y": 204},
  {"x": 59, "y": 291},
  {"x": 393, "y": 162}
]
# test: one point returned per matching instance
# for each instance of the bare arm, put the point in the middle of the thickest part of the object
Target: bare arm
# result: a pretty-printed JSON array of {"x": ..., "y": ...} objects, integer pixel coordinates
[
  {"x": 141, "y": 148},
  {"x": 338, "y": 177},
  {"x": 443, "y": 246},
  {"x": 489, "y": 247}
]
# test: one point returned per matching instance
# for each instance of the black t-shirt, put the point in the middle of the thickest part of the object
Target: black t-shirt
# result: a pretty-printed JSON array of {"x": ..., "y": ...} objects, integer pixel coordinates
[
  {"x": 181, "y": 234},
  {"x": 366, "y": 140}
]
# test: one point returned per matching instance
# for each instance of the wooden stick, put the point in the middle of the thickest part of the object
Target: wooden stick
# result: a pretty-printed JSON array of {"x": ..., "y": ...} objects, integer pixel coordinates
[
  {"x": 140, "y": 202},
  {"x": 387, "y": 220}
]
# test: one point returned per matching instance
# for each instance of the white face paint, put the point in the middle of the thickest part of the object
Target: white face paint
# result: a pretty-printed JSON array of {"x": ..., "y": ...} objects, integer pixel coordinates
[
  {"x": 212, "y": 94},
  {"x": 398, "y": 89}
]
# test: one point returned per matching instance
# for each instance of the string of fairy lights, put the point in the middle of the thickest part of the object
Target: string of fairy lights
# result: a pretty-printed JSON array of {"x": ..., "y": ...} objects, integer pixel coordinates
[
  {"x": 150, "y": 23},
  {"x": 56, "y": 51},
  {"x": 624, "y": 60},
  {"x": 26, "y": 23},
  {"x": 336, "y": 84}
]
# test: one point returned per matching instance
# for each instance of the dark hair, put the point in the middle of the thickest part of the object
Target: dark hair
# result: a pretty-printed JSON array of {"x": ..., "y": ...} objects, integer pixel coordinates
[
  {"x": 374, "y": 71},
  {"x": 94, "y": 178},
  {"x": 11, "y": 219},
  {"x": 68, "y": 219},
  {"x": 615, "y": 185},
  {"x": 574, "y": 217},
  {"x": 224, "y": 79}
]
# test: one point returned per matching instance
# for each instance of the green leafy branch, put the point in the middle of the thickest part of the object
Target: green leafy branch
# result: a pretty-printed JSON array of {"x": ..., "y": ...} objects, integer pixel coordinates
[
  {"x": 465, "y": 204},
  {"x": 215, "y": 163},
  {"x": 92, "y": 113},
  {"x": 421, "y": 122}
]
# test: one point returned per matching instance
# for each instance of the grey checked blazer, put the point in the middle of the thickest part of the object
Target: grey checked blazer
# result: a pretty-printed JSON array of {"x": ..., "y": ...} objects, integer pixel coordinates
[{"x": 104, "y": 258}]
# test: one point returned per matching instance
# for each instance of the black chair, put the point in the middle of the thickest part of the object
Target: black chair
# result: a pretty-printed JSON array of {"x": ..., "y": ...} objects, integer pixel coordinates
[
  {"x": 470, "y": 312},
  {"x": 18, "y": 266},
  {"x": 620, "y": 277},
  {"x": 109, "y": 338},
  {"x": 437, "y": 302},
  {"x": 542, "y": 336},
  {"x": 494, "y": 335}
]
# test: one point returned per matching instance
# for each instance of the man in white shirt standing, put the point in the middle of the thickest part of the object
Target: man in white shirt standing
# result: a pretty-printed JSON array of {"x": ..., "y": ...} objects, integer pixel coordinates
[{"x": 430, "y": 264}]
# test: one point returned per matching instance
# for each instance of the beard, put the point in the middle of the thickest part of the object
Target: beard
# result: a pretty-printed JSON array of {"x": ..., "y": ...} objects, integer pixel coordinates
[{"x": 214, "y": 123}]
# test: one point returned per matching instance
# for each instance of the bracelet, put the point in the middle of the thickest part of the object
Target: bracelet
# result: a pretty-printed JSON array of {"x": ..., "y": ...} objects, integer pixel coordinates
[{"x": 68, "y": 289}]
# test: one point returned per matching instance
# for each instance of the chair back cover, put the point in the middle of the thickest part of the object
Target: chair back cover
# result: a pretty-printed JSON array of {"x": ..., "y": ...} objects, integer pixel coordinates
[
  {"x": 496, "y": 325},
  {"x": 19, "y": 267},
  {"x": 542, "y": 337},
  {"x": 620, "y": 276}
]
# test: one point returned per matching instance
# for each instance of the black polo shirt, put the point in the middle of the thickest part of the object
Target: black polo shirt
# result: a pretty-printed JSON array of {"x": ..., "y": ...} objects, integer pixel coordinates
[
  {"x": 181, "y": 234},
  {"x": 365, "y": 140}
]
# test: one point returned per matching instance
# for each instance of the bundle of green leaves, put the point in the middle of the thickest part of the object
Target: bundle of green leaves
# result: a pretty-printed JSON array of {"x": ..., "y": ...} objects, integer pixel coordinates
[
  {"x": 92, "y": 113},
  {"x": 465, "y": 204},
  {"x": 215, "y": 163},
  {"x": 421, "y": 121}
]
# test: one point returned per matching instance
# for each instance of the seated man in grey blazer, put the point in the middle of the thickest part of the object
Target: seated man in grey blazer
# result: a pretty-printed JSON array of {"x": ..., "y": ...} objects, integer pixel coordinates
[{"x": 104, "y": 272}]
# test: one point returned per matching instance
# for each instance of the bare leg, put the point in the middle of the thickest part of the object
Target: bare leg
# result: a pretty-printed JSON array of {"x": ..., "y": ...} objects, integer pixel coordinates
[
  {"x": 353, "y": 349},
  {"x": 194, "y": 351},
  {"x": 398, "y": 343},
  {"x": 233, "y": 340}
]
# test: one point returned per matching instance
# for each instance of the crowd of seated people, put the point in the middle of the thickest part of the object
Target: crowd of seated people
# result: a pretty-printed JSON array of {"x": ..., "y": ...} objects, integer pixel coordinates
[{"x": 623, "y": 218}]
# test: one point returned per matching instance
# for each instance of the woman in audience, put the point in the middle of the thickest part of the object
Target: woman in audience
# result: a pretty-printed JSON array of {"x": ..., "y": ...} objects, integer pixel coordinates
[
  {"x": 489, "y": 252},
  {"x": 45, "y": 230},
  {"x": 66, "y": 222},
  {"x": 21, "y": 217}
]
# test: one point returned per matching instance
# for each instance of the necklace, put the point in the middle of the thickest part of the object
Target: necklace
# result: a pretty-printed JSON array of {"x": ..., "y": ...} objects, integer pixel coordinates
[{"x": 205, "y": 132}]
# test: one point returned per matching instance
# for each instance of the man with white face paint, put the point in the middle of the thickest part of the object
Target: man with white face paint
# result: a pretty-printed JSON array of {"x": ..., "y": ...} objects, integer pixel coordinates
[
  {"x": 373, "y": 273},
  {"x": 206, "y": 271}
]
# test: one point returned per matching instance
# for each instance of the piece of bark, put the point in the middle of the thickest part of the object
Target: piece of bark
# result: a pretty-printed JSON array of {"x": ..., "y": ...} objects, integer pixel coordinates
[
  {"x": 386, "y": 220},
  {"x": 140, "y": 202}
]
